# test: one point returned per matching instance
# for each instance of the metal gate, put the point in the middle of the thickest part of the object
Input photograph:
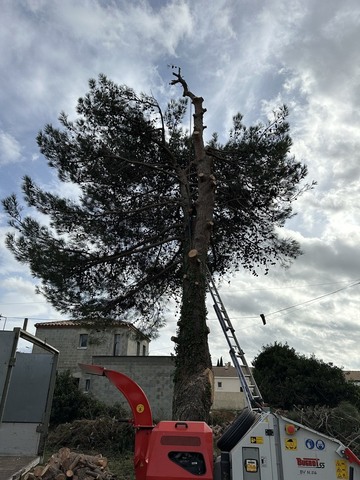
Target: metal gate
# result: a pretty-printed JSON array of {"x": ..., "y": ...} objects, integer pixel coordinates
[{"x": 26, "y": 387}]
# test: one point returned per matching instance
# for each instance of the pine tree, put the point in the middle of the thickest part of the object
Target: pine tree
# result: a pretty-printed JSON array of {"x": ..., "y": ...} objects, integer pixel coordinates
[{"x": 157, "y": 206}]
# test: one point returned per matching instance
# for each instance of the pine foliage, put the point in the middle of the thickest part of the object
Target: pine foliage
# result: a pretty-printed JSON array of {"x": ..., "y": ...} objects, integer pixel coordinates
[{"x": 119, "y": 247}]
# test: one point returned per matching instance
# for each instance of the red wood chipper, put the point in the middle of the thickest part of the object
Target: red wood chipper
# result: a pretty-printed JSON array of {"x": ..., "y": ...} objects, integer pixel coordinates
[{"x": 259, "y": 445}]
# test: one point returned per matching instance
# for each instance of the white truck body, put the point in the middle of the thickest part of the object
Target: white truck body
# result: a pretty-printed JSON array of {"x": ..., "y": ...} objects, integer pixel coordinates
[{"x": 276, "y": 448}]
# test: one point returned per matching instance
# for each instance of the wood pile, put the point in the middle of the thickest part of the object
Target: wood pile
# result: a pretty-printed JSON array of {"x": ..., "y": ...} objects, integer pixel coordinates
[{"x": 68, "y": 465}]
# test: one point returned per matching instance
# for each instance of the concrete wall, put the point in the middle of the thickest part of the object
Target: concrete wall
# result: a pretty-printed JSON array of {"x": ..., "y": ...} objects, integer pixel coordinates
[
  {"x": 228, "y": 401},
  {"x": 153, "y": 374}
]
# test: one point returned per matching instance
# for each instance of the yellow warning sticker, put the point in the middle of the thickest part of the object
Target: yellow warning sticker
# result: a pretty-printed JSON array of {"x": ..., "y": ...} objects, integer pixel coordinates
[
  {"x": 342, "y": 470},
  {"x": 256, "y": 439},
  {"x": 140, "y": 408},
  {"x": 290, "y": 443}
]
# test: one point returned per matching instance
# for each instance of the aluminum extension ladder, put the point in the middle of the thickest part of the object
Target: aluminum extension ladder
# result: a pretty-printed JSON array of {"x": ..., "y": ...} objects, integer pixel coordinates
[{"x": 247, "y": 381}]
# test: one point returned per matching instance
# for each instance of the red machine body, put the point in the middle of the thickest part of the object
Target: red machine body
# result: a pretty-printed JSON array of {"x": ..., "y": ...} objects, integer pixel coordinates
[
  {"x": 169, "y": 450},
  {"x": 140, "y": 407},
  {"x": 180, "y": 450}
]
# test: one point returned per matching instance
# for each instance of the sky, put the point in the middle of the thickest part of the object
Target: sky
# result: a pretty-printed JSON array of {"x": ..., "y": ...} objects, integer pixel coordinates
[{"x": 245, "y": 56}]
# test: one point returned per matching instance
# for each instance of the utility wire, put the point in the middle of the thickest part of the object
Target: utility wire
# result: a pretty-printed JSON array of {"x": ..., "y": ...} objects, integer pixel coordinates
[
  {"x": 210, "y": 319},
  {"x": 301, "y": 303},
  {"x": 313, "y": 299}
]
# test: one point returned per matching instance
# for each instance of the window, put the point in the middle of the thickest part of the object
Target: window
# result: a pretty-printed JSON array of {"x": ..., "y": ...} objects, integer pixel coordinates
[
  {"x": 137, "y": 348},
  {"x": 219, "y": 384},
  {"x": 117, "y": 345},
  {"x": 87, "y": 384},
  {"x": 144, "y": 350},
  {"x": 83, "y": 340}
]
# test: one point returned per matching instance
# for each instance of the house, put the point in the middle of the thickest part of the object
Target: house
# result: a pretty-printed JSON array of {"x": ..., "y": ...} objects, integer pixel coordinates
[
  {"x": 121, "y": 347},
  {"x": 78, "y": 342},
  {"x": 227, "y": 389},
  {"x": 353, "y": 376}
]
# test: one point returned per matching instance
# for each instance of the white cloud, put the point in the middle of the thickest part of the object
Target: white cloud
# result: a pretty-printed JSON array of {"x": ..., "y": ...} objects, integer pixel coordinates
[
  {"x": 240, "y": 56},
  {"x": 10, "y": 149}
]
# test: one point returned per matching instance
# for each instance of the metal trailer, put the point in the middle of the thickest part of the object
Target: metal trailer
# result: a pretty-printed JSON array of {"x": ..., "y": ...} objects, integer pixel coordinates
[
  {"x": 276, "y": 448},
  {"x": 27, "y": 384}
]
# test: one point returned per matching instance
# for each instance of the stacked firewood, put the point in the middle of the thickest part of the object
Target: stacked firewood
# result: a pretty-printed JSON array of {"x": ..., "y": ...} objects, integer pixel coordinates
[{"x": 68, "y": 465}]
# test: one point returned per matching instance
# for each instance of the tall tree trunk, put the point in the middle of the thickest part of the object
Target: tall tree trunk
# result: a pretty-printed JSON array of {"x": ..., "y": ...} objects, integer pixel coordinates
[{"x": 193, "y": 375}]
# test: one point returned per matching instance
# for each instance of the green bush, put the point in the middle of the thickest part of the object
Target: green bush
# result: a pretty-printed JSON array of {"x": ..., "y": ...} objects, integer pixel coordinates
[
  {"x": 70, "y": 403},
  {"x": 286, "y": 378}
]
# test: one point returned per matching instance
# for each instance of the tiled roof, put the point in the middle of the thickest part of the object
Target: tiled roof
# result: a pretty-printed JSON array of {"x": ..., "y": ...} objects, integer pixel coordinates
[
  {"x": 228, "y": 371},
  {"x": 353, "y": 375},
  {"x": 84, "y": 323}
]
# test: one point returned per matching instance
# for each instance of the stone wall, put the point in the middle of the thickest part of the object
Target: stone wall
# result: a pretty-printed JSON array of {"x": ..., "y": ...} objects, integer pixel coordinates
[{"x": 66, "y": 340}]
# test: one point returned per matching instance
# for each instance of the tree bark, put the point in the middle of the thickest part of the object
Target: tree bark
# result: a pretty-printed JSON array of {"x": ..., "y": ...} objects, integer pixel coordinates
[{"x": 193, "y": 374}]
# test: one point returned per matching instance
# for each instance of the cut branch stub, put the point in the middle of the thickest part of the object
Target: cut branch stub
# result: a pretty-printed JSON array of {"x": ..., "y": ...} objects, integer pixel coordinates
[{"x": 193, "y": 253}]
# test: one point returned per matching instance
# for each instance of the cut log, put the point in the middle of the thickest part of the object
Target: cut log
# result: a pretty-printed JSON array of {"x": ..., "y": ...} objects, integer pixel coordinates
[
  {"x": 63, "y": 454},
  {"x": 29, "y": 476},
  {"x": 92, "y": 474},
  {"x": 67, "y": 465},
  {"x": 103, "y": 462},
  {"x": 45, "y": 469},
  {"x": 38, "y": 471},
  {"x": 60, "y": 476},
  {"x": 52, "y": 472},
  {"x": 74, "y": 462}
]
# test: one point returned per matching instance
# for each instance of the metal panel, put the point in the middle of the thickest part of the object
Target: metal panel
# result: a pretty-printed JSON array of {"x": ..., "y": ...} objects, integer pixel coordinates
[
  {"x": 6, "y": 345},
  {"x": 19, "y": 439},
  {"x": 29, "y": 388},
  {"x": 251, "y": 463}
]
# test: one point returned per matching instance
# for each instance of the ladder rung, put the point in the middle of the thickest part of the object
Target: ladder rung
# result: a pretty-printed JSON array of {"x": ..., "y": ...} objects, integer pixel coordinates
[{"x": 246, "y": 378}]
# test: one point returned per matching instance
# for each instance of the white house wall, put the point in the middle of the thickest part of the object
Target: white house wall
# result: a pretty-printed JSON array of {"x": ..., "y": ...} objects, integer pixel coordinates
[{"x": 227, "y": 395}]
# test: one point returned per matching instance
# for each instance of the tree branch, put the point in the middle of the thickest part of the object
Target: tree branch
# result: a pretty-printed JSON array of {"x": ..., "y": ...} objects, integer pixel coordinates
[
  {"x": 140, "y": 285},
  {"x": 143, "y": 164}
]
